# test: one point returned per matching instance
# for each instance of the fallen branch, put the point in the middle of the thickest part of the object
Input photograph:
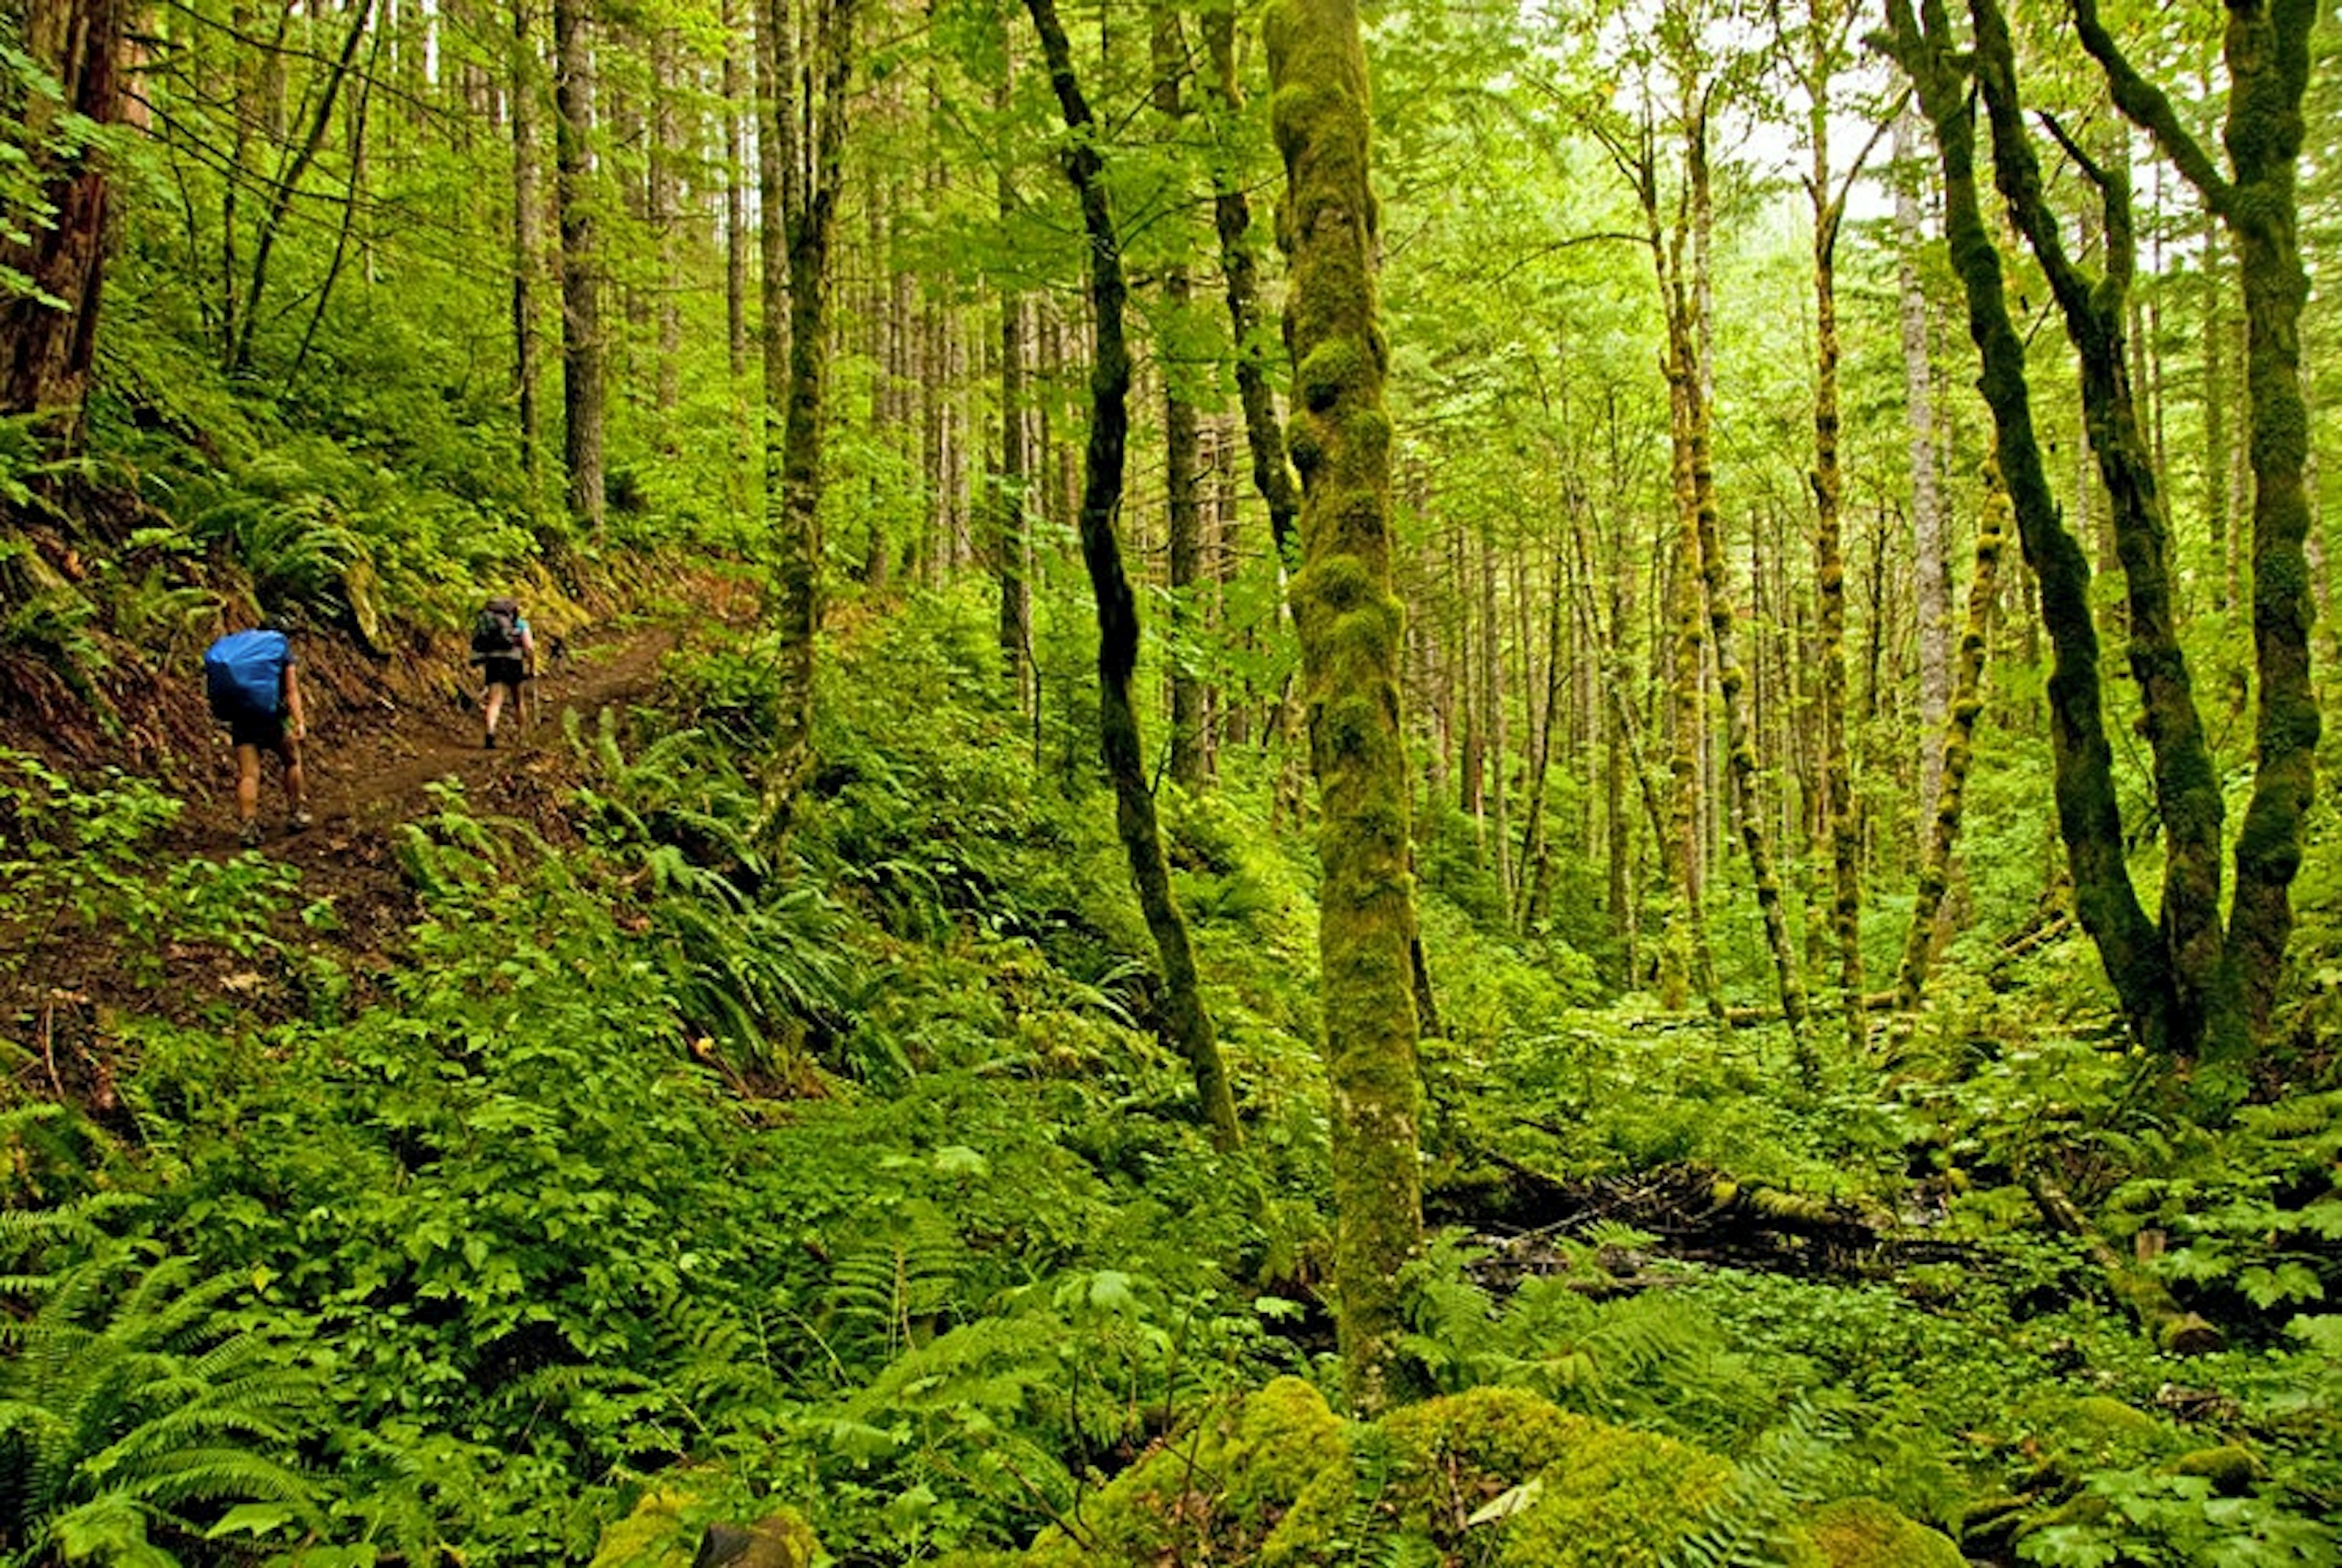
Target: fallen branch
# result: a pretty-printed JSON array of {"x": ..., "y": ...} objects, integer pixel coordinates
[{"x": 2167, "y": 1324}]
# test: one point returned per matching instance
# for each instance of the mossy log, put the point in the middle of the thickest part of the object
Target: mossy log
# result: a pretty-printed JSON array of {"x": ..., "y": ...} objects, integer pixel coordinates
[{"x": 2172, "y": 1327}]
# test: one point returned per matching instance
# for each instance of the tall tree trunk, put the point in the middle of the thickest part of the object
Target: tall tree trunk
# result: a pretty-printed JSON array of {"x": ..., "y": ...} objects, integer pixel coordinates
[
  {"x": 1829, "y": 481},
  {"x": 2208, "y": 1014},
  {"x": 1232, "y": 218},
  {"x": 1956, "y": 751},
  {"x": 1928, "y": 546},
  {"x": 807, "y": 127},
  {"x": 528, "y": 243},
  {"x": 2082, "y": 760},
  {"x": 1185, "y": 1020},
  {"x": 2216, "y": 516},
  {"x": 48, "y": 327},
  {"x": 1492, "y": 706},
  {"x": 1181, "y": 444},
  {"x": 1351, "y": 626},
  {"x": 666, "y": 223},
  {"x": 581, "y": 348},
  {"x": 737, "y": 107},
  {"x": 2267, "y": 48},
  {"x": 1016, "y": 535}
]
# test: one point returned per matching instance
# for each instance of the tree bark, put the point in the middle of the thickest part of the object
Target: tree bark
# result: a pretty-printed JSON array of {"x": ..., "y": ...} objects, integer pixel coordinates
[
  {"x": 528, "y": 243},
  {"x": 2082, "y": 760},
  {"x": 1232, "y": 218},
  {"x": 2207, "y": 1016},
  {"x": 581, "y": 348},
  {"x": 1185, "y": 1019},
  {"x": 736, "y": 198},
  {"x": 1957, "y": 752},
  {"x": 1828, "y": 483},
  {"x": 808, "y": 136},
  {"x": 1351, "y": 627},
  {"x": 2267, "y": 48},
  {"x": 48, "y": 332}
]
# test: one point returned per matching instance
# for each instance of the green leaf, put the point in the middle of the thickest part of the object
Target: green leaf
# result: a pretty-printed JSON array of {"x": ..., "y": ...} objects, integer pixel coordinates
[{"x": 253, "y": 1518}]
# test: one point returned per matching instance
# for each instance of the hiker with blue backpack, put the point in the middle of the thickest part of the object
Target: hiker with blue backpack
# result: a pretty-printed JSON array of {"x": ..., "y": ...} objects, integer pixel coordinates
[
  {"x": 255, "y": 690},
  {"x": 505, "y": 652}
]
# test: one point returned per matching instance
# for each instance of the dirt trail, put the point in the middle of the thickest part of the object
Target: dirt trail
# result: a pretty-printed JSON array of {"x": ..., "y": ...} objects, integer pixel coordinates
[
  {"x": 380, "y": 735},
  {"x": 372, "y": 777},
  {"x": 372, "y": 758}
]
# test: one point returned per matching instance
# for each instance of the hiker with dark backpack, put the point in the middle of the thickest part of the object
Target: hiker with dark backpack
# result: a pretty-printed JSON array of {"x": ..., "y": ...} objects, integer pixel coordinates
[
  {"x": 507, "y": 653},
  {"x": 253, "y": 689}
]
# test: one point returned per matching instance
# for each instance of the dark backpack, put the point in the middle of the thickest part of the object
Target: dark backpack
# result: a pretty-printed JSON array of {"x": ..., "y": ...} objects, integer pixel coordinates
[
  {"x": 244, "y": 673},
  {"x": 495, "y": 631}
]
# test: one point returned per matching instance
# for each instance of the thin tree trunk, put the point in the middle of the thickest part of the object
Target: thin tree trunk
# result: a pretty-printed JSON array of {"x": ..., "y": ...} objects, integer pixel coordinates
[
  {"x": 528, "y": 243},
  {"x": 736, "y": 197},
  {"x": 2216, "y": 516},
  {"x": 2267, "y": 49},
  {"x": 665, "y": 233},
  {"x": 582, "y": 348},
  {"x": 2082, "y": 760},
  {"x": 1492, "y": 704},
  {"x": 1350, "y": 628},
  {"x": 2207, "y": 1014},
  {"x": 1232, "y": 218},
  {"x": 287, "y": 180},
  {"x": 1957, "y": 752},
  {"x": 1185, "y": 1017},
  {"x": 1015, "y": 563}
]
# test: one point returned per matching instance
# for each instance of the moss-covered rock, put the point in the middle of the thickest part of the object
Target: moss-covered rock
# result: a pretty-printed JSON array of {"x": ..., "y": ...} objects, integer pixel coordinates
[
  {"x": 1214, "y": 1492},
  {"x": 1864, "y": 1532},
  {"x": 667, "y": 1528},
  {"x": 652, "y": 1536},
  {"x": 1555, "y": 1490},
  {"x": 2230, "y": 1469},
  {"x": 1622, "y": 1498}
]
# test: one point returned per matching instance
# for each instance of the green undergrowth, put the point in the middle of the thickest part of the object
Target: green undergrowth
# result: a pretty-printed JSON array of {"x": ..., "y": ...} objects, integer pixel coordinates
[{"x": 688, "y": 1175}]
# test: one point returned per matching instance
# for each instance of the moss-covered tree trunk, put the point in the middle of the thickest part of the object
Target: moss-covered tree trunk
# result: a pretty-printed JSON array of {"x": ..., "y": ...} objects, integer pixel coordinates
[
  {"x": 1957, "y": 752},
  {"x": 1843, "y": 825},
  {"x": 1184, "y": 1018},
  {"x": 2082, "y": 760},
  {"x": 1240, "y": 271},
  {"x": 1685, "y": 962},
  {"x": 1740, "y": 738},
  {"x": 809, "y": 175},
  {"x": 2208, "y": 1017},
  {"x": 2267, "y": 48},
  {"x": 1351, "y": 626}
]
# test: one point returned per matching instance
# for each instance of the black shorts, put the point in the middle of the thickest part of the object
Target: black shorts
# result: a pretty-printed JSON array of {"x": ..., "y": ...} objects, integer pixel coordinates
[
  {"x": 265, "y": 731},
  {"x": 501, "y": 672}
]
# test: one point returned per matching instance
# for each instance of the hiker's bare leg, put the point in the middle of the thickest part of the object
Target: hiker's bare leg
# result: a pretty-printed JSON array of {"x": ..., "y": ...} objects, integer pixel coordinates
[
  {"x": 247, "y": 783},
  {"x": 495, "y": 704},
  {"x": 297, "y": 777}
]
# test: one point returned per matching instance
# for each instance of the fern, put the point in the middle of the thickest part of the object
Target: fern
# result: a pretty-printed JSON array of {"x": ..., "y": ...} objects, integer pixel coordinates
[
  {"x": 1794, "y": 1465},
  {"x": 126, "y": 1404}
]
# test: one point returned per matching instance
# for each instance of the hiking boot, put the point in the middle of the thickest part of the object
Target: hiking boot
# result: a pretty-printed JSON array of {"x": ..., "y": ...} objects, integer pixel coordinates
[
  {"x": 248, "y": 835},
  {"x": 303, "y": 821},
  {"x": 490, "y": 742}
]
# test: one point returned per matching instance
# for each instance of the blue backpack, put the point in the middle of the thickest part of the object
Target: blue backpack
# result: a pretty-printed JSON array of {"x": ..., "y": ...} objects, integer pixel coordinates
[{"x": 244, "y": 673}]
